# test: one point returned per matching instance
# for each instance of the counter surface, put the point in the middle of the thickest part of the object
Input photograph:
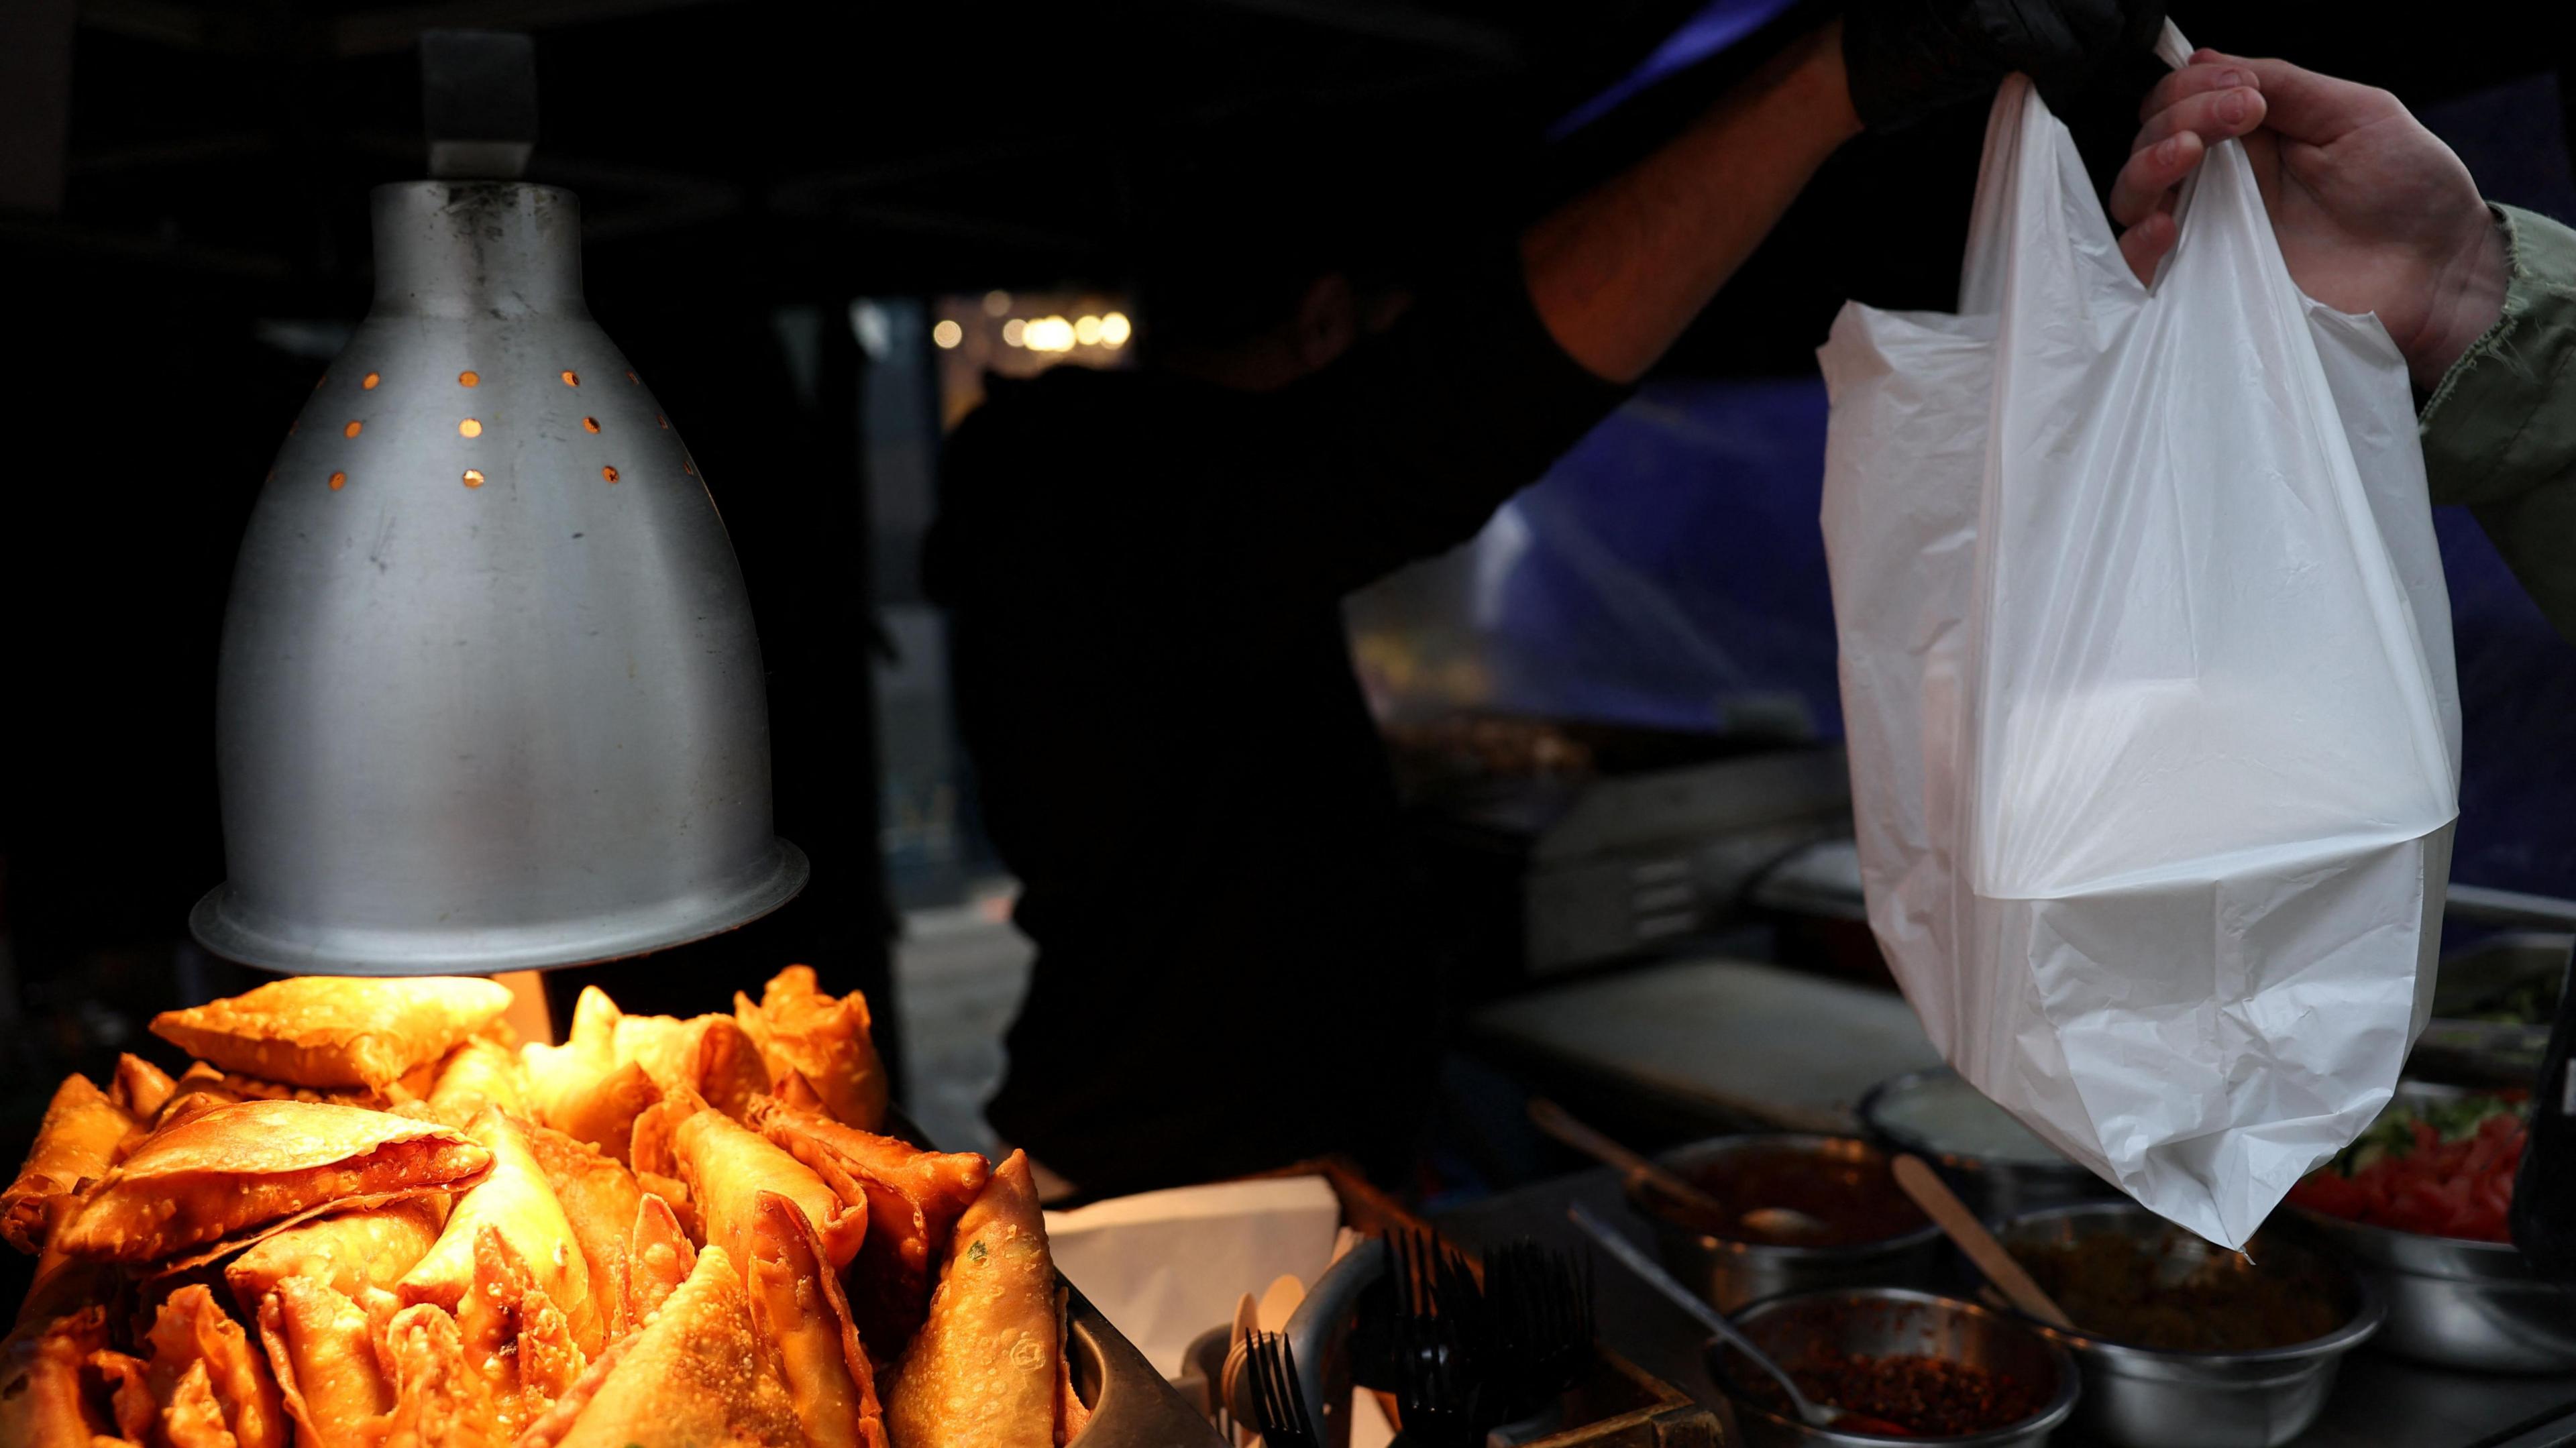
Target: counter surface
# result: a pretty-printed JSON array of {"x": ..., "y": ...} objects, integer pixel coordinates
[{"x": 2379, "y": 1401}]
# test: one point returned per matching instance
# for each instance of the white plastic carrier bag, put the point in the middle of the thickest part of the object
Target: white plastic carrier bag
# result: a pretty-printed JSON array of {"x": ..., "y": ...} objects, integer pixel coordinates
[{"x": 2146, "y": 670}]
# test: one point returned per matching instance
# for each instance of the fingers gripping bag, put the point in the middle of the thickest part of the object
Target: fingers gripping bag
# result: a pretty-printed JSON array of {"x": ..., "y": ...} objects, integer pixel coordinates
[{"x": 2146, "y": 668}]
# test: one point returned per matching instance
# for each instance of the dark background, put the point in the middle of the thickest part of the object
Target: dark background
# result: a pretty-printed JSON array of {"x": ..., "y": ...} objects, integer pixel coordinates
[{"x": 183, "y": 223}]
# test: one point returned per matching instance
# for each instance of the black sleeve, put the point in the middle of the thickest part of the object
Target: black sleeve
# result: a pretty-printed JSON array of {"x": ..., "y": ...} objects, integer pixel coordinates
[{"x": 1406, "y": 446}]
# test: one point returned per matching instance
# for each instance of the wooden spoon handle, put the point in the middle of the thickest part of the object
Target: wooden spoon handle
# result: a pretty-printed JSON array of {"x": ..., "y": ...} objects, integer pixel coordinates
[
  {"x": 1556, "y": 1121},
  {"x": 1943, "y": 1206}
]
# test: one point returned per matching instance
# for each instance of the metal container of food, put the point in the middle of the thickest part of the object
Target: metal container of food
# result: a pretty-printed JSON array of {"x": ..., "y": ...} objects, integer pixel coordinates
[
  {"x": 2139, "y": 1397},
  {"x": 2492, "y": 1008},
  {"x": 2460, "y": 1304},
  {"x": 1729, "y": 1274},
  {"x": 1880, "y": 1321},
  {"x": 1995, "y": 1164}
]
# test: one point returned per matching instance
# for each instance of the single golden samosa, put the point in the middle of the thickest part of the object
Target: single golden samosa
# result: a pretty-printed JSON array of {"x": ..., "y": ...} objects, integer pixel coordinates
[
  {"x": 335, "y": 1031},
  {"x": 709, "y": 1055},
  {"x": 982, "y": 1373},
  {"x": 798, "y": 1311},
  {"x": 192, "y": 1338},
  {"x": 321, "y": 1349},
  {"x": 50, "y": 1396},
  {"x": 914, "y": 1198},
  {"x": 695, "y": 1377},
  {"x": 140, "y": 1087},
  {"x": 811, "y": 1041},
  {"x": 74, "y": 1143},
  {"x": 579, "y": 1088},
  {"x": 480, "y": 1072},
  {"x": 726, "y": 1166},
  {"x": 599, "y": 1197},
  {"x": 237, "y": 1172},
  {"x": 514, "y": 1199},
  {"x": 351, "y": 1251}
]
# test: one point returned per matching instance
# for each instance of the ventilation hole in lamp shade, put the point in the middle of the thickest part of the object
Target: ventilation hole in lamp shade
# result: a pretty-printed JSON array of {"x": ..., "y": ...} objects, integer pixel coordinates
[
  {"x": 292, "y": 426},
  {"x": 631, "y": 377},
  {"x": 339, "y": 481},
  {"x": 352, "y": 429},
  {"x": 318, "y": 381},
  {"x": 590, "y": 424},
  {"x": 473, "y": 477},
  {"x": 666, "y": 422},
  {"x": 469, "y": 379},
  {"x": 688, "y": 467},
  {"x": 609, "y": 473},
  {"x": 369, "y": 381},
  {"x": 469, "y": 428},
  {"x": 571, "y": 379}
]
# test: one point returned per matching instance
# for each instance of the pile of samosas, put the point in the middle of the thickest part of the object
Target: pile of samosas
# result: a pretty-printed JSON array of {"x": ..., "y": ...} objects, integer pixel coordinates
[{"x": 366, "y": 1217}]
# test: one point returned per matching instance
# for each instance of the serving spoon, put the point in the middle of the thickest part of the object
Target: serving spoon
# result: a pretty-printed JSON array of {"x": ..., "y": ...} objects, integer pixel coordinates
[
  {"x": 1810, "y": 1412},
  {"x": 1917, "y": 1179},
  {"x": 1705, "y": 1212}
]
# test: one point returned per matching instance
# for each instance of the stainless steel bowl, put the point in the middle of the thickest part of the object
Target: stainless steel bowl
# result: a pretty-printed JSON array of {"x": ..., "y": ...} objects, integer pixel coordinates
[
  {"x": 1994, "y": 1188},
  {"x": 2146, "y": 1398},
  {"x": 1730, "y": 1274},
  {"x": 2456, "y": 1047},
  {"x": 1883, "y": 1320},
  {"x": 2460, "y": 1304}
]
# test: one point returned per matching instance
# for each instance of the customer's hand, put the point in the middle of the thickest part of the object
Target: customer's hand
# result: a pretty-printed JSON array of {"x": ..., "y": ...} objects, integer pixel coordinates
[
  {"x": 1908, "y": 58},
  {"x": 2373, "y": 212}
]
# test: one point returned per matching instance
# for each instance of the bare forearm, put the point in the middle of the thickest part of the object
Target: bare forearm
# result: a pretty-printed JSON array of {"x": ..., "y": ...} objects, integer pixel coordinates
[{"x": 1617, "y": 273}]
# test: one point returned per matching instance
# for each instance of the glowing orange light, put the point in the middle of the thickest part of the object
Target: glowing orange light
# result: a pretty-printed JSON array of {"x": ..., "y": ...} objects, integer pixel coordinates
[
  {"x": 631, "y": 377},
  {"x": 469, "y": 428},
  {"x": 339, "y": 481},
  {"x": 370, "y": 381},
  {"x": 590, "y": 424},
  {"x": 352, "y": 429},
  {"x": 473, "y": 477},
  {"x": 666, "y": 422},
  {"x": 570, "y": 380},
  {"x": 469, "y": 379},
  {"x": 609, "y": 473}
]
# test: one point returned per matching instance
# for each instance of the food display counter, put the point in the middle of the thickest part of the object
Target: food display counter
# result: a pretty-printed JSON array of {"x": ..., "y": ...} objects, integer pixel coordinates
[{"x": 2379, "y": 1400}]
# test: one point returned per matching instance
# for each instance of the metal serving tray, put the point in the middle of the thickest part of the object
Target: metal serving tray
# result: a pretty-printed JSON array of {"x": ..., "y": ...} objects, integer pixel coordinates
[{"x": 1131, "y": 1404}]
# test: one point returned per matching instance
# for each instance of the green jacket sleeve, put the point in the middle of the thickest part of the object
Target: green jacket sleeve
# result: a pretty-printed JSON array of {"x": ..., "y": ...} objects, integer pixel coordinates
[{"x": 2500, "y": 431}]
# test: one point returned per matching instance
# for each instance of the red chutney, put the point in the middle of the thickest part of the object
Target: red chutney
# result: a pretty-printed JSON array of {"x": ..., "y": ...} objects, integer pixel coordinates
[
  {"x": 2435, "y": 1188},
  {"x": 1855, "y": 1200},
  {"x": 1930, "y": 1397}
]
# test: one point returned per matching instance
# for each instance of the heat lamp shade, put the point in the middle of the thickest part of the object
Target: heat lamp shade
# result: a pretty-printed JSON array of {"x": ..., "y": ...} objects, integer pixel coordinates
[{"x": 490, "y": 697}]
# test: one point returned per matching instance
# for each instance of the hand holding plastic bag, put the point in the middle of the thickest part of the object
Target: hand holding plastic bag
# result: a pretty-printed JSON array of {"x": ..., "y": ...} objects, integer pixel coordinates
[{"x": 2146, "y": 668}]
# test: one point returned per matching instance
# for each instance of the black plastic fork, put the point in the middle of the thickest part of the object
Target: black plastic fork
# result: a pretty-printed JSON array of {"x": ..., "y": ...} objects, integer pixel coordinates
[
  {"x": 1539, "y": 1301},
  {"x": 1278, "y": 1400}
]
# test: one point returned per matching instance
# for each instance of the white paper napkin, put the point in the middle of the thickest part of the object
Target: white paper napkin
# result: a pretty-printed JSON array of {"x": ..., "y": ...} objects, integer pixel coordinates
[{"x": 1165, "y": 1266}]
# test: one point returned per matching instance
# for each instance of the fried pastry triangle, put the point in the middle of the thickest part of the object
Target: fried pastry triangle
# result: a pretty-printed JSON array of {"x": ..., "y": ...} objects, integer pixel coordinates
[
  {"x": 327, "y": 1031},
  {"x": 239, "y": 1171},
  {"x": 982, "y": 1372},
  {"x": 695, "y": 1377}
]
